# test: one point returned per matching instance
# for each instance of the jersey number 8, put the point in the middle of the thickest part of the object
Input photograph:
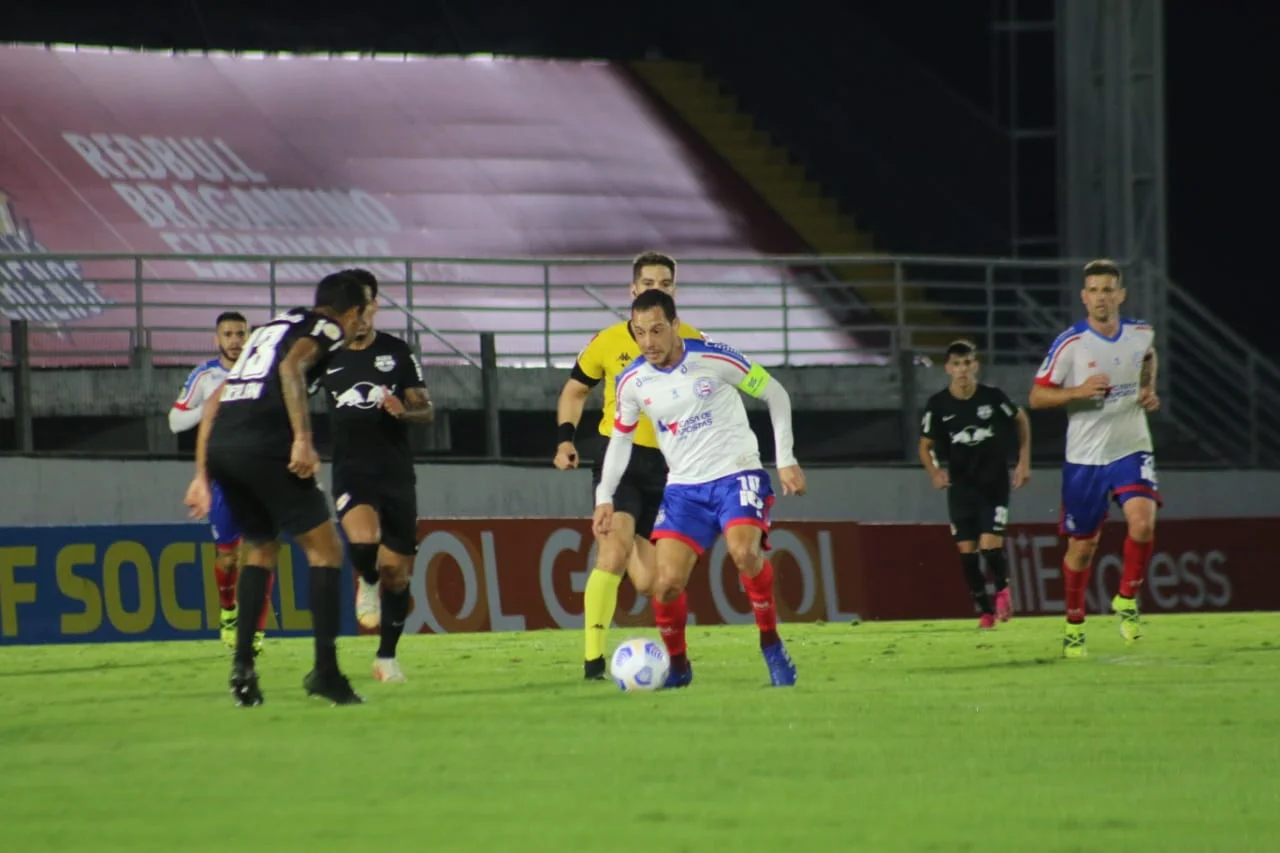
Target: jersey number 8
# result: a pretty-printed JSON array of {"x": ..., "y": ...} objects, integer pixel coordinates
[{"x": 256, "y": 360}]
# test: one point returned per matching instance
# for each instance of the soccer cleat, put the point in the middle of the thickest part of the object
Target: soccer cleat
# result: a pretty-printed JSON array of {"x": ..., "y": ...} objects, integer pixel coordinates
[
  {"x": 987, "y": 622},
  {"x": 259, "y": 642},
  {"x": 678, "y": 678},
  {"x": 1004, "y": 605},
  {"x": 782, "y": 670},
  {"x": 368, "y": 605},
  {"x": 388, "y": 671},
  {"x": 244, "y": 686},
  {"x": 1073, "y": 642},
  {"x": 1127, "y": 610},
  {"x": 332, "y": 686},
  {"x": 228, "y": 628},
  {"x": 593, "y": 670}
]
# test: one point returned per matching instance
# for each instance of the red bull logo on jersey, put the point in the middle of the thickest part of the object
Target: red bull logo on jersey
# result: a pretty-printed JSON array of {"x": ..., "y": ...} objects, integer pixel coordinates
[{"x": 362, "y": 395}]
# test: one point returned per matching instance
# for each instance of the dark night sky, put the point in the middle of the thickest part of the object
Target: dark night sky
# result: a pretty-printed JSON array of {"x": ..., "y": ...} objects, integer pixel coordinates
[{"x": 1221, "y": 72}]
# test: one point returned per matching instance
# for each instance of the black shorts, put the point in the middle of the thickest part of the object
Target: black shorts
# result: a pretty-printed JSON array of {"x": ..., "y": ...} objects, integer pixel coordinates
[
  {"x": 394, "y": 499},
  {"x": 264, "y": 498},
  {"x": 639, "y": 493},
  {"x": 976, "y": 510}
]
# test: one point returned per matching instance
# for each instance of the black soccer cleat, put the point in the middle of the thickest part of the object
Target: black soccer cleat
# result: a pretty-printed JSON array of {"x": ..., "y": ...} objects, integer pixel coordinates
[
  {"x": 332, "y": 686},
  {"x": 593, "y": 670},
  {"x": 244, "y": 686}
]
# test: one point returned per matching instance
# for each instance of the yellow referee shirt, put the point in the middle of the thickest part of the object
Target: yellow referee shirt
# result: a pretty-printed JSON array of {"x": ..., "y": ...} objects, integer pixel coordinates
[{"x": 606, "y": 356}]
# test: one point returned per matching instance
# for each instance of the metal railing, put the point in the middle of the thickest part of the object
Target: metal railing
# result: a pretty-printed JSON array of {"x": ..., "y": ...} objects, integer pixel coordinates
[
  {"x": 111, "y": 309},
  {"x": 785, "y": 310}
]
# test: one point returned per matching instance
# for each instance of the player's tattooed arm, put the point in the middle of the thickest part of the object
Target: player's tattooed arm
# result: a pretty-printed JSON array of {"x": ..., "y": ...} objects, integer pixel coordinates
[
  {"x": 293, "y": 385},
  {"x": 418, "y": 407},
  {"x": 1147, "y": 376}
]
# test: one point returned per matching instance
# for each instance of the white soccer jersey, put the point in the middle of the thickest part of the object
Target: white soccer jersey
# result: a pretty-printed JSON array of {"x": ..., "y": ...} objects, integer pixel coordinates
[
  {"x": 702, "y": 425},
  {"x": 201, "y": 383},
  {"x": 1101, "y": 431}
]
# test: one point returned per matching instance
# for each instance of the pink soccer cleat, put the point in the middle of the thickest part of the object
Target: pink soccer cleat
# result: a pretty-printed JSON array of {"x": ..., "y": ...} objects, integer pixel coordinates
[
  {"x": 987, "y": 622},
  {"x": 1004, "y": 605}
]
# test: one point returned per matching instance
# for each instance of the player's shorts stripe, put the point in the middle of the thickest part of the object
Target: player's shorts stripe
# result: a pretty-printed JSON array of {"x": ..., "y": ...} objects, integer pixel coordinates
[
  {"x": 1139, "y": 490},
  {"x": 741, "y": 365}
]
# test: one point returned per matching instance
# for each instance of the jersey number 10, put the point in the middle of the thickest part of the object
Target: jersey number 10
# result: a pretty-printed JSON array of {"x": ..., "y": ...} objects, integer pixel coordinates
[
  {"x": 750, "y": 491},
  {"x": 256, "y": 360}
]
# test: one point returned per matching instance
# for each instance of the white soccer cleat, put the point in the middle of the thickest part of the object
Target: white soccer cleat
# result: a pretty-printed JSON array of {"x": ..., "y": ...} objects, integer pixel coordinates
[
  {"x": 368, "y": 605},
  {"x": 388, "y": 671}
]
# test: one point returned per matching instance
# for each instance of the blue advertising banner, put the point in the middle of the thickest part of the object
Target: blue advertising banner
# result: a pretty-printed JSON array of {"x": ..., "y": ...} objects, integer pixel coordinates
[{"x": 112, "y": 583}]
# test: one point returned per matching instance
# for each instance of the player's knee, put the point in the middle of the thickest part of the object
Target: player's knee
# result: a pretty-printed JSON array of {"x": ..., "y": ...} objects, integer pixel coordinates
[
  {"x": 226, "y": 560},
  {"x": 394, "y": 578},
  {"x": 612, "y": 555},
  {"x": 747, "y": 557},
  {"x": 668, "y": 584},
  {"x": 1142, "y": 528},
  {"x": 1080, "y": 553}
]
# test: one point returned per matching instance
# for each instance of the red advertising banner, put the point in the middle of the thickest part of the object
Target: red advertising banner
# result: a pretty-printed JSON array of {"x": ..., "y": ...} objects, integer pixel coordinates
[{"x": 526, "y": 574}]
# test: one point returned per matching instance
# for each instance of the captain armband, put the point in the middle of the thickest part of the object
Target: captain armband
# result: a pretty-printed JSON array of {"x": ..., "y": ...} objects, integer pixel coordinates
[
  {"x": 581, "y": 376},
  {"x": 756, "y": 380}
]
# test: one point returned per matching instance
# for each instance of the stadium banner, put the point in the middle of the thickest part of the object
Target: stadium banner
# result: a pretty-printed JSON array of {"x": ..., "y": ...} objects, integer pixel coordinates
[
  {"x": 154, "y": 582},
  {"x": 111, "y": 583}
]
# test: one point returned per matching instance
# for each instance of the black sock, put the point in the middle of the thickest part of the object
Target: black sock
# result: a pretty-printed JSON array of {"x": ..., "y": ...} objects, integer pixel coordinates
[
  {"x": 994, "y": 558},
  {"x": 971, "y": 563},
  {"x": 251, "y": 590},
  {"x": 395, "y": 608},
  {"x": 365, "y": 559},
  {"x": 326, "y": 615}
]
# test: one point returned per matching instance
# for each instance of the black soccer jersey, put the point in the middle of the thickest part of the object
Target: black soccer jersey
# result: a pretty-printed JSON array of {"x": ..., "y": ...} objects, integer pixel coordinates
[
  {"x": 364, "y": 434},
  {"x": 973, "y": 436},
  {"x": 251, "y": 413}
]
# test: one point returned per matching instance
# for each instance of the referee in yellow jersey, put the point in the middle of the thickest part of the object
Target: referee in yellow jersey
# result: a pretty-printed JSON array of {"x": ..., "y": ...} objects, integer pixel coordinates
[{"x": 636, "y": 502}]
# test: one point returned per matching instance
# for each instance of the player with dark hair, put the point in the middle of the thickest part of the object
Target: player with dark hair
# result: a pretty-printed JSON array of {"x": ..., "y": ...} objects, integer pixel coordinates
[
  {"x": 255, "y": 442},
  {"x": 716, "y": 484},
  {"x": 375, "y": 389},
  {"x": 968, "y": 425},
  {"x": 626, "y": 547},
  {"x": 1103, "y": 370},
  {"x": 230, "y": 330}
]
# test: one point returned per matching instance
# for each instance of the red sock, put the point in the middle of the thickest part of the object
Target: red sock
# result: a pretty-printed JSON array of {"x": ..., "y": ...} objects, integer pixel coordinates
[
  {"x": 262, "y": 620},
  {"x": 1075, "y": 583},
  {"x": 226, "y": 580},
  {"x": 760, "y": 592},
  {"x": 1137, "y": 555},
  {"x": 671, "y": 619}
]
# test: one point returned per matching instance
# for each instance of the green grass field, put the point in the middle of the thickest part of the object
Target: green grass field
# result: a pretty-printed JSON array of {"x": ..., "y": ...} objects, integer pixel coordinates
[{"x": 903, "y": 736}]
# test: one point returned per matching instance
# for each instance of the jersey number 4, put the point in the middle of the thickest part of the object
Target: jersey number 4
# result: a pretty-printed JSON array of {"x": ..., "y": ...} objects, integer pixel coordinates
[
  {"x": 749, "y": 495},
  {"x": 256, "y": 360}
]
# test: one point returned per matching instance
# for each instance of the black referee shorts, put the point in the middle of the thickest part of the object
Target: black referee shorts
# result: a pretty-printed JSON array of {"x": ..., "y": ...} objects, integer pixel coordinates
[
  {"x": 395, "y": 499},
  {"x": 264, "y": 497},
  {"x": 639, "y": 492},
  {"x": 978, "y": 509}
]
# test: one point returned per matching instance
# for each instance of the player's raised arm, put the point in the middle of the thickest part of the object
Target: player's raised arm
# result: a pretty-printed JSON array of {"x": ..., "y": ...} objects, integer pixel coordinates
[{"x": 754, "y": 381}]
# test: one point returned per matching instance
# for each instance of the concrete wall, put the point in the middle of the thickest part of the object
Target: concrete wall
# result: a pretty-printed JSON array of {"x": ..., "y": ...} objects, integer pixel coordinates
[
  {"x": 75, "y": 491},
  {"x": 145, "y": 391}
]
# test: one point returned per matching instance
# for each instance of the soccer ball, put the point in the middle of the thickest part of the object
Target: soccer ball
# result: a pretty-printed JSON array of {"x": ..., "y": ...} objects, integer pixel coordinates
[{"x": 640, "y": 665}]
